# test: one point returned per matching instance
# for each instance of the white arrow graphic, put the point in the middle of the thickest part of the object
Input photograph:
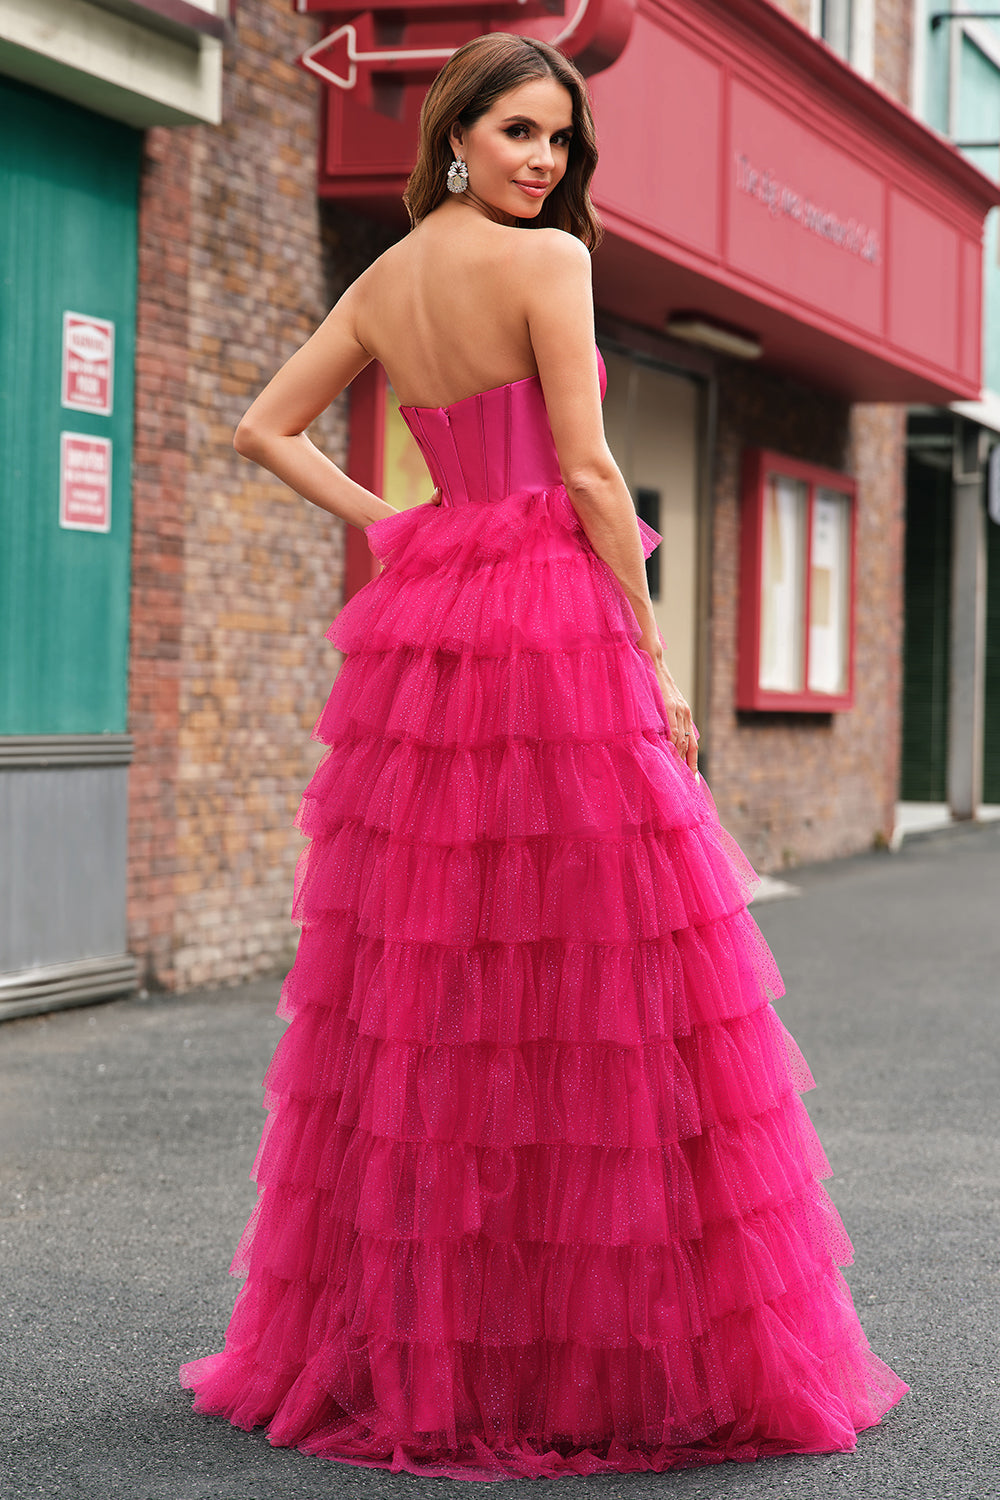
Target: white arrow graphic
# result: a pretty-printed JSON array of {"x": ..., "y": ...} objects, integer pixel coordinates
[{"x": 310, "y": 59}]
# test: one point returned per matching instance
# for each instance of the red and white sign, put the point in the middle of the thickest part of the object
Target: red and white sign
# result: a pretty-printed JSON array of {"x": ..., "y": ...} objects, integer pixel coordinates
[
  {"x": 592, "y": 32},
  {"x": 88, "y": 364},
  {"x": 84, "y": 482}
]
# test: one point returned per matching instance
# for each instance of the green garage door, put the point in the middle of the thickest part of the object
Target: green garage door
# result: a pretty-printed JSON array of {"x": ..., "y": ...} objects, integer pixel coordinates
[
  {"x": 68, "y": 250},
  {"x": 68, "y": 216}
]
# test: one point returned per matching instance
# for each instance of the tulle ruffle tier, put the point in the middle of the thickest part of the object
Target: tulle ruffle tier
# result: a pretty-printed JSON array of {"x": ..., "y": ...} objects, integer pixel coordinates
[{"x": 538, "y": 1194}]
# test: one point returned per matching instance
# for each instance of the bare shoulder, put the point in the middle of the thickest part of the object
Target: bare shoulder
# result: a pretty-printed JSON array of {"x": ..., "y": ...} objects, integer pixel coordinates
[
  {"x": 555, "y": 252},
  {"x": 557, "y": 244},
  {"x": 364, "y": 300},
  {"x": 555, "y": 270},
  {"x": 560, "y": 311}
]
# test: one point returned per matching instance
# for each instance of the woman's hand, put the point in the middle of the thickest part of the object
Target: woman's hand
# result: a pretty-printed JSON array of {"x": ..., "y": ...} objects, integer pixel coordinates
[
  {"x": 435, "y": 497},
  {"x": 679, "y": 721}
]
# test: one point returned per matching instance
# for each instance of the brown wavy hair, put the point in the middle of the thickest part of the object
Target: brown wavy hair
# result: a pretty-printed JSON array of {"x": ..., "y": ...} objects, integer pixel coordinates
[{"x": 469, "y": 84}]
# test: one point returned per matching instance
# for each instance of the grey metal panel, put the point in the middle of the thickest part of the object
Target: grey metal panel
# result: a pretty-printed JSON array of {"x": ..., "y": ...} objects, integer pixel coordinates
[
  {"x": 61, "y": 985},
  {"x": 63, "y": 845},
  {"x": 22, "y": 751}
]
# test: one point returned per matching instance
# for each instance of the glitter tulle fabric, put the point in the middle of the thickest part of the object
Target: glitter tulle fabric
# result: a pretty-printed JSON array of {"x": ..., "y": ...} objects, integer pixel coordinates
[{"x": 538, "y": 1195}]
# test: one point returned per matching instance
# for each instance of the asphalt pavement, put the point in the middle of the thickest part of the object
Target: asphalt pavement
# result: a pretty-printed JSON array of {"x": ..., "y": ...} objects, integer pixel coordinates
[{"x": 127, "y": 1131}]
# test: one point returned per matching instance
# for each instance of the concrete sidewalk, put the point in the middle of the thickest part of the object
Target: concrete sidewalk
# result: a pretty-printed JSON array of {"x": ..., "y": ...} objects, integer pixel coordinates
[{"x": 128, "y": 1130}]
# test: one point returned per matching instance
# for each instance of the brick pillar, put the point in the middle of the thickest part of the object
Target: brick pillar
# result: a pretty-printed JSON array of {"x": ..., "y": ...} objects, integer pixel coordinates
[
  {"x": 159, "y": 478},
  {"x": 877, "y": 460}
]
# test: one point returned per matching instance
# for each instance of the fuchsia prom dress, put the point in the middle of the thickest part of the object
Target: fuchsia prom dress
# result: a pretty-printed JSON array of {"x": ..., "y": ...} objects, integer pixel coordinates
[{"x": 538, "y": 1195}]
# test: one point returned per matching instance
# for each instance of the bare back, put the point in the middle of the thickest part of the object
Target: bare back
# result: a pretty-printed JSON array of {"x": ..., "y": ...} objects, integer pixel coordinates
[
  {"x": 461, "y": 305},
  {"x": 444, "y": 310}
]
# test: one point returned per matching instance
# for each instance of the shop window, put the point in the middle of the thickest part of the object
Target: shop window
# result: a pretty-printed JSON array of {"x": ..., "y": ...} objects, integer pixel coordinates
[{"x": 796, "y": 644}]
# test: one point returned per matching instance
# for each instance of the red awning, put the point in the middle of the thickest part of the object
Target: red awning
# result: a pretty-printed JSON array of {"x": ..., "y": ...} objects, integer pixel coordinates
[{"x": 749, "y": 176}]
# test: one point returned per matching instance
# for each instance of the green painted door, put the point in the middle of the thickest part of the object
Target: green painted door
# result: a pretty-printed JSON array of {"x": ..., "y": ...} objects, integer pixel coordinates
[
  {"x": 927, "y": 633},
  {"x": 68, "y": 244}
]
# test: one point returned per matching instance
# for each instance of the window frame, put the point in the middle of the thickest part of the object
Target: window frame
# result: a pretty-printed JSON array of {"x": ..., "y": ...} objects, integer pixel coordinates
[
  {"x": 861, "y": 43},
  {"x": 758, "y": 465},
  {"x": 849, "y": 19}
]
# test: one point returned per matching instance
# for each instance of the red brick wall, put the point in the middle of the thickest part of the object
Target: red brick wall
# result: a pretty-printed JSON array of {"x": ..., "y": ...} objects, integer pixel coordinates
[
  {"x": 236, "y": 579},
  {"x": 877, "y": 455},
  {"x": 800, "y": 9},
  {"x": 799, "y": 787},
  {"x": 894, "y": 46},
  {"x": 158, "y": 498}
]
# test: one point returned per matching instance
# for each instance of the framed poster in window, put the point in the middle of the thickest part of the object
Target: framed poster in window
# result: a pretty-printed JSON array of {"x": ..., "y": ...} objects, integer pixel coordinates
[{"x": 796, "y": 645}]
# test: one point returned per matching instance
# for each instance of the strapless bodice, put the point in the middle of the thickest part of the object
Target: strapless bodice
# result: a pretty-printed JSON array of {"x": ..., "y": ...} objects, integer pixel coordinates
[{"x": 491, "y": 445}]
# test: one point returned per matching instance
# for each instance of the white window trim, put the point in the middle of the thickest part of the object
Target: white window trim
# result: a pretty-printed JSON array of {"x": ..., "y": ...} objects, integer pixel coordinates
[
  {"x": 862, "y": 58},
  {"x": 863, "y": 38}
]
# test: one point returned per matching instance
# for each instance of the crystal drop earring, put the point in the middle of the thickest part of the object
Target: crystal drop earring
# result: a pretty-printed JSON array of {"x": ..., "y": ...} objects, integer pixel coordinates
[{"x": 458, "y": 176}]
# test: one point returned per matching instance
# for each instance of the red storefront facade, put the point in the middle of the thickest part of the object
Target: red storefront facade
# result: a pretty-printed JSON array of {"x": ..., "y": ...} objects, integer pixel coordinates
[
  {"x": 791, "y": 198},
  {"x": 746, "y": 172},
  {"x": 789, "y": 256}
]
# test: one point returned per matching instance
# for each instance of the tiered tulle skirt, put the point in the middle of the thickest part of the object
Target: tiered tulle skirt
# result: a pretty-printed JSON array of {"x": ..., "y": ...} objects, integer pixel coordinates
[{"x": 537, "y": 1191}]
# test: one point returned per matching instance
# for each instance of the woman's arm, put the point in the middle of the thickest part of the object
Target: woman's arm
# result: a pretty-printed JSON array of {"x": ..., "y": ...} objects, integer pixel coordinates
[
  {"x": 560, "y": 312},
  {"x": 273, "y": 431}
]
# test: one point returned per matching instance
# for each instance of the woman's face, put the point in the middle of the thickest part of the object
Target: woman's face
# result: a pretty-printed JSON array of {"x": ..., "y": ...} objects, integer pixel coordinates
[{"x": 517, "y": 152}]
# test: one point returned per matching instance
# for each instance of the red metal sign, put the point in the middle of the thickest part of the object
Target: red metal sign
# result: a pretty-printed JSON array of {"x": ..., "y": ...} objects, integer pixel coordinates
[
  {"x": 88, "y": 360},
  {"x": 335, "y": 58},
  {"x": 592, "y": 32},
  {"x": 84, "y": 482}
]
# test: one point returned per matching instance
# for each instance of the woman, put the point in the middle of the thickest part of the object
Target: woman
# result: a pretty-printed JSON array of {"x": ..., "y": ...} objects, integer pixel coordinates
[{"x": 538, "y": 1195}]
